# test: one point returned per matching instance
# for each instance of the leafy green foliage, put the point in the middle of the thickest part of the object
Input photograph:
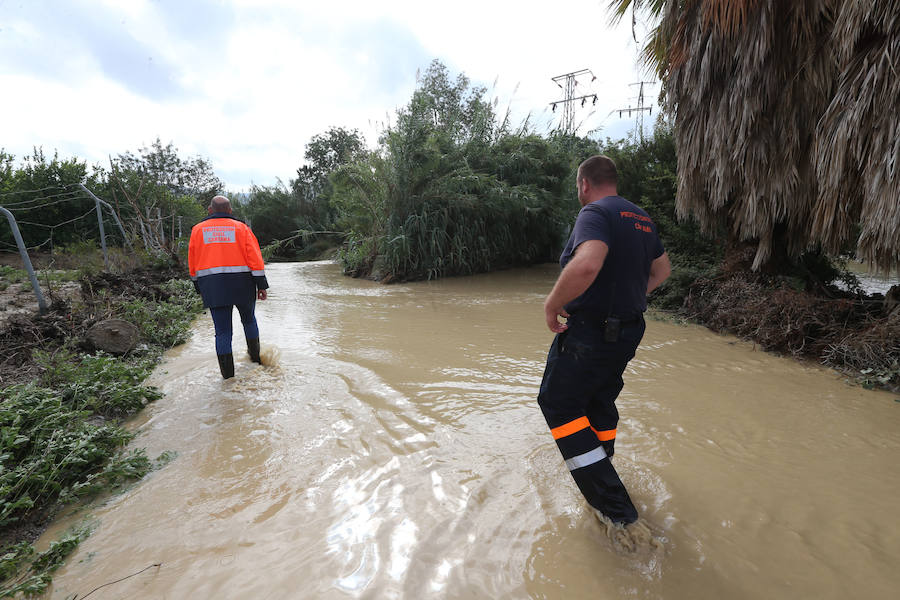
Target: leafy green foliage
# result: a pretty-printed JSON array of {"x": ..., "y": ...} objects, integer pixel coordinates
[
  {"x": 6, "y": 170},
  {"x": 450, "y": 191},
  {"x": 165, "y": 323},
  {"x": 60, "y": 437},
  {"x": 99, "y": 383},
  {"x": 162, "y": 166},
  {"x": 47, "y": 446},
  {"x": 14, "y": 557},
  {"x": 11, "y": 275},
  {"x": 43, "y": 199},
  {"x": 273, "y": 212},
  {"x": 324, "y": 153},
  {"x": 156, "y": 193},
  {"x": 291, "y": 219},
  {"x": 36, "y": 568}
]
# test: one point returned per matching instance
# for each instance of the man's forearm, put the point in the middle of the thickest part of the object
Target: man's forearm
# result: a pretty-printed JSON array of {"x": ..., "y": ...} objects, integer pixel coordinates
[
  {"x": 654, "y": 282},
  {"x": 574, "y": 280},
  {"x": 660, "y": 269}
]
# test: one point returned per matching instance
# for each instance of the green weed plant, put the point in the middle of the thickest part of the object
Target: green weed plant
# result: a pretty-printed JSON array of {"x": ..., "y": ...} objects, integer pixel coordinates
[
  {"x": 453, "y": 190},
  {"x": 34, "y": 569},
  {"x": 61, "y": 436},
  {"x": 165, "y": 324}
]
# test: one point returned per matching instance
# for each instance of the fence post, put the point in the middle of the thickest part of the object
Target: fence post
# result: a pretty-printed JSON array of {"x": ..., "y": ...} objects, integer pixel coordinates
[
  {"x": 42, "y": 306},
  {"x": 111, "y": 209},
  {"x": 102, "y": 234}
]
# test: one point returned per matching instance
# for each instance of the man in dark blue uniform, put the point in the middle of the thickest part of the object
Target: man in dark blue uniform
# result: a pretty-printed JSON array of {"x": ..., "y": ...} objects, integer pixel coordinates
[{"x": 613, "y": 259}]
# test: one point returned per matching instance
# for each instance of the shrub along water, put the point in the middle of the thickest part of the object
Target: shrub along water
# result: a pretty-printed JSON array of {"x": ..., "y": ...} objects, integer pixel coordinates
[
  {"x": 451, "y": 190},
  {"x": 61, "y": 435}
]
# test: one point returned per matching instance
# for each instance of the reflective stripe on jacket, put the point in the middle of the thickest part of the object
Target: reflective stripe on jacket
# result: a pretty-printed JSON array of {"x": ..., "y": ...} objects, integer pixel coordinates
[{"x": 225, "y": 261}]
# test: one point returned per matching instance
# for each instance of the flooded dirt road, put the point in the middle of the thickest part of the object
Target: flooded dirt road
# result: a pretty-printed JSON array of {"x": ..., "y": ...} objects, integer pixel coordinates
[{"x": 397, "y": 451}]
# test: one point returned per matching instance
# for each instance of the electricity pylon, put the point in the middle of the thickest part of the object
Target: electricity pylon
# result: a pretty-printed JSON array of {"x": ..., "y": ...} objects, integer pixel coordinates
[
  {"x": 639, "y": 109},
  {"x": 567, "y": 118}
]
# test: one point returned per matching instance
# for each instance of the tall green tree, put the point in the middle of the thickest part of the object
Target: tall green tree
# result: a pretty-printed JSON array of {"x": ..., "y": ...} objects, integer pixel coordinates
[
  {"x": 324, "y": 154},
  {"x": 273, "y": 211},
  {"x": 787, "y": 116},
  {"x": 6, "y": 169},
  {"x": 162, "y": 166},
  {"x": 158, "y": 193},
  {"x": 450, "y": 191},
  {"x": 292, "y": 218}
]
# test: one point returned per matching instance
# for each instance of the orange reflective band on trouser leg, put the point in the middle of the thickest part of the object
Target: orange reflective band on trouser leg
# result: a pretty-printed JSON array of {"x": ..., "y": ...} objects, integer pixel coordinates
[
  {"x": 605, "y": 436},
  {"x": 570, "y": 428}
]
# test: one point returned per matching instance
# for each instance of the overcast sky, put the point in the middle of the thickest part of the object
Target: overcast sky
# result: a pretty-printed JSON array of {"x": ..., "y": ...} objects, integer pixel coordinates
[{"x": 247, "y": 83}]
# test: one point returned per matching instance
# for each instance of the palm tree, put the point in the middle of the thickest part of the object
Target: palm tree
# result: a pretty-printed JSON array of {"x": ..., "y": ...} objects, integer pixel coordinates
[{"x": 787, "y": 117}]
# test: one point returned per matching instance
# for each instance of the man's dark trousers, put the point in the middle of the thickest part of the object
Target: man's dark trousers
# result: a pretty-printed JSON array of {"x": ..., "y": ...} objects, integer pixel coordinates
[
  {"x": 221, "y": 316},
  {"x": 582, "y": 380}
]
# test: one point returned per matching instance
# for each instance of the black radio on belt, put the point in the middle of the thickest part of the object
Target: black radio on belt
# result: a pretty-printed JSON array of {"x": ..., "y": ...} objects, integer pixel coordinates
[{"x": 611, "y": 329}]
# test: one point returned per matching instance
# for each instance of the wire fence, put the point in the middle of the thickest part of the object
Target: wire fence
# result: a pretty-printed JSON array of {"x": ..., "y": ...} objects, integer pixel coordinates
[
  {"x": 157, "y": 232},
  {"x": 140, "y": 224}
]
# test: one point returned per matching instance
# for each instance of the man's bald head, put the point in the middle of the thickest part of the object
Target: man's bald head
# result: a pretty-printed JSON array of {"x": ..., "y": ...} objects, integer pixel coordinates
[{"x": 220, "y": 204}]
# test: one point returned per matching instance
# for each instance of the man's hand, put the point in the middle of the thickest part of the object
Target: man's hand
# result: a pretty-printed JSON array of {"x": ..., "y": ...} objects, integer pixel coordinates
[
  {"x": 261, "y": 294},
  {"x": 577, "y": 277},
  {"x": 551, "y": 313}
]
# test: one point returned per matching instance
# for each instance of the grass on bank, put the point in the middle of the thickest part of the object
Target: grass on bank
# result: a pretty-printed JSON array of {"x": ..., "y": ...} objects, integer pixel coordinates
[
  {"x": 61, "y": 435},
  {"x": 10, "y": 275}
]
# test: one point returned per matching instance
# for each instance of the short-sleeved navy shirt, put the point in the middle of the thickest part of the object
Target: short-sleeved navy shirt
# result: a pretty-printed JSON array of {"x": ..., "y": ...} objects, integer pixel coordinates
[{"x": 620, "y": 288}]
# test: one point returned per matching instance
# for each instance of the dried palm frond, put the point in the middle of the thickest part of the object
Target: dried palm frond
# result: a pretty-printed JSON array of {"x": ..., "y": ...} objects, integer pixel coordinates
[
  {"x": 787, "y": 119},
  {"x": 858, "y": 154}
]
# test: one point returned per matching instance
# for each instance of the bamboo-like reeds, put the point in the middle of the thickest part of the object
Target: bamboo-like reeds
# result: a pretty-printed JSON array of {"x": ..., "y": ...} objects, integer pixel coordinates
[{"x": 451, "y": 192}]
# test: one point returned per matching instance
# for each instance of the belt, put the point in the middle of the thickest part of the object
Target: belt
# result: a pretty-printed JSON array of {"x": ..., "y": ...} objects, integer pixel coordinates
[{"x": 600, "y": 321}]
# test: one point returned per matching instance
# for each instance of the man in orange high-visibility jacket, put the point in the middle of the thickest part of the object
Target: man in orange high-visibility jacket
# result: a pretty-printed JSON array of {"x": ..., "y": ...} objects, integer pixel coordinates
[{"x": 227, "y": 269}]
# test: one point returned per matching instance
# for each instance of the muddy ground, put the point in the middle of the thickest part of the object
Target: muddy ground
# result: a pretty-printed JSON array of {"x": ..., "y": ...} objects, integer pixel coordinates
[{"x": 73, "y": 307}]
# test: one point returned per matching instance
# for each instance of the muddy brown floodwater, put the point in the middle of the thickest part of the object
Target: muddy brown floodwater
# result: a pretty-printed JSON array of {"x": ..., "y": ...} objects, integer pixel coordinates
[{"x": 396, "y": 450}]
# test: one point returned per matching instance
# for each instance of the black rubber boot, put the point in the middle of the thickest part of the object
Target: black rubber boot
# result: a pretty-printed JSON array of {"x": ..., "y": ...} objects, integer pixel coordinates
[
  {"x": 253, "y": 350},
  {"x": 226, "y": 365}
]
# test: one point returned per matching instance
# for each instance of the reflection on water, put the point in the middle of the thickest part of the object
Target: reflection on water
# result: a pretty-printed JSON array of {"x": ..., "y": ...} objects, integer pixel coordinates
[{"x": 391, "y": 447}]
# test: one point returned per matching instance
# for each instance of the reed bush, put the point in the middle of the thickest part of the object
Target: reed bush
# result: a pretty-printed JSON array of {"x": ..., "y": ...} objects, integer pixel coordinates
[{"x": 452, "y": 191}]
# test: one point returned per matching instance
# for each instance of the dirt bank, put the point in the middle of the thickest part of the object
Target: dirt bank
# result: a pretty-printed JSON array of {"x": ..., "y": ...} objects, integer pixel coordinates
[
  {"x": 73, "y": 308},
  {"x": 853, "y": 332}
]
